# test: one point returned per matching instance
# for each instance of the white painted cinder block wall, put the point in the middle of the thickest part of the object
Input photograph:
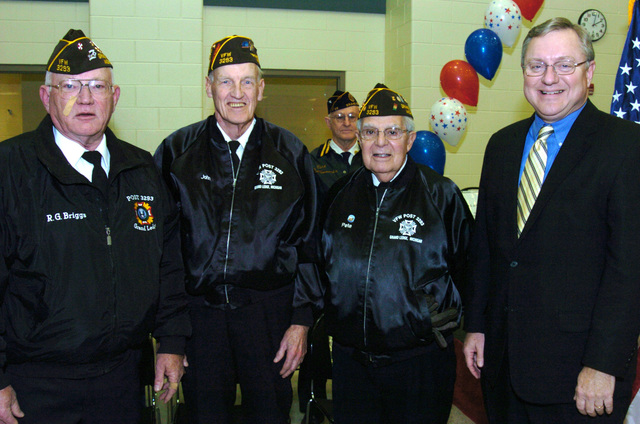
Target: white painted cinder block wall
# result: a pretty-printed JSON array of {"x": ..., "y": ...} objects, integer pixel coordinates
[
  {"x": 433, "y": 32},
  {"x": 306, "y": 40},
  {"x": 160, "y": 50}
]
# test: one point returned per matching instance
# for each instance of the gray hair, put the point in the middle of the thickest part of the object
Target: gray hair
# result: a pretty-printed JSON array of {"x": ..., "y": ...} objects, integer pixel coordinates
[
  {"x": 557, "y": 24},
  {"x": 409, "y": 125},
  {"x": 407, "y": 121}
]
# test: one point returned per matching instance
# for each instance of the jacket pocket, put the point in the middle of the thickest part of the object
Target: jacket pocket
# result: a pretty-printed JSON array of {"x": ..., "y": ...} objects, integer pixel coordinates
[
  {"x": 25, "y": 303},
  {"x": 424, "y": 294}
]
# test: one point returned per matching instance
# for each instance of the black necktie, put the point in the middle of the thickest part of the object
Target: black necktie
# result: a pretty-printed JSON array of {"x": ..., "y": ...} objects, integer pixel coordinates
[
  {"x": 345, "y": 157},
  {"x": 233, "y": 147},
  {"x": 98, "y": 177}
]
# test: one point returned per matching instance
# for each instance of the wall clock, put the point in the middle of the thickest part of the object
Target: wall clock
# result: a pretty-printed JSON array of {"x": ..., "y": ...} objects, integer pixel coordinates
[{"x": 594, "y": 22}]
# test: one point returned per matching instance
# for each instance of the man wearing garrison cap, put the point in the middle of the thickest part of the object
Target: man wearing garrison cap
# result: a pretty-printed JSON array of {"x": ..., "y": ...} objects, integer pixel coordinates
[
  {"x": 90, "y": 257},
  {"x": 394, "y": 241},
  {"x": 248, "y": 201},
  {"x": 332, "y": 160},
  {"x": 341, "y": 153}
]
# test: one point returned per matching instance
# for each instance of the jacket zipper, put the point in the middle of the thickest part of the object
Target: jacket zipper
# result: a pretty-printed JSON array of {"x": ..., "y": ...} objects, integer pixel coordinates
[
  {"x": 366, "y": 284},
  {"x": 233, "y": 198},
  {"x": 107, "y": 229}
]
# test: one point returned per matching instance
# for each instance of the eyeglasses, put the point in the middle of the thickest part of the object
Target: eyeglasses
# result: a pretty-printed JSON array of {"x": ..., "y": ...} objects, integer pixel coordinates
[
  {"x": 341, "y": 118},
  {"x": 391, "y": 134},
  {"x": 564, "y": 67},
  {"x": 73, "y": 87}
]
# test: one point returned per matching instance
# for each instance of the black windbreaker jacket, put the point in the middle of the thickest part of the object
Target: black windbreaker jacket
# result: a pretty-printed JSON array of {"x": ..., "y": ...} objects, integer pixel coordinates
[
  {"x": 81, "y": 283},
  {"x": 256, "y": 231},
  {"x": 385, "y": 249}
]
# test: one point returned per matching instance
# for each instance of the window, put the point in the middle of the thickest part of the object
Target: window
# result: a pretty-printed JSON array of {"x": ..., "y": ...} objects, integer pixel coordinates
[{"x": 297, "y": 101}]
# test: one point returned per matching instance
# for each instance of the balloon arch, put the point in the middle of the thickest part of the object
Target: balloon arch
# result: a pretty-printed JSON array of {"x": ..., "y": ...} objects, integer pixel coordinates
[{"x": 460, "y": 82}]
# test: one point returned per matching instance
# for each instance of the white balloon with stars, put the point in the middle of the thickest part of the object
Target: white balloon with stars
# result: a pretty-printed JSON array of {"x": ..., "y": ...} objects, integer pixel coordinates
[
  {"x": 503, "y": 17},
  {"x": 448, "y": 119}
]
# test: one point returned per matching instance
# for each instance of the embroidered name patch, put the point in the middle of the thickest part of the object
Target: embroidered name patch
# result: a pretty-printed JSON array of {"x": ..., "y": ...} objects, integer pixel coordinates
[{"x": 63, "y": 216}]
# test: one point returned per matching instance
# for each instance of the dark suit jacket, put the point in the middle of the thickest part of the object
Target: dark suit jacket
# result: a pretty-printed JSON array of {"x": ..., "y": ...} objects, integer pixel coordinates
[{"x": 567, "y": 293}]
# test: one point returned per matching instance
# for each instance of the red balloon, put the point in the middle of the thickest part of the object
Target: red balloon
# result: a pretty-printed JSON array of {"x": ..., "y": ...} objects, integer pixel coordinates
[
  {"x": 460, "y": 81},
  {"x": 529, "y": 8}
]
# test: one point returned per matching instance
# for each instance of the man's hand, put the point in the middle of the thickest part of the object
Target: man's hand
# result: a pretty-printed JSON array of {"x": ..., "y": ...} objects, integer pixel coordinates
[
  {"x": 294, "y": 345},
  {"x": 474, "y": 352},
  {"x": 172, "y": 367},
  {"x": 594, "y": 392},
  {"x": 9, "y": 408}
]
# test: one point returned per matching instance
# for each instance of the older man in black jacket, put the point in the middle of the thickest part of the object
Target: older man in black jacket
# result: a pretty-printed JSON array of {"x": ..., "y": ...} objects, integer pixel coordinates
[
  {"x": 248, "y": 203},
  {"x": 90, "y": 257},
  {"x": 395, "y": 243}
]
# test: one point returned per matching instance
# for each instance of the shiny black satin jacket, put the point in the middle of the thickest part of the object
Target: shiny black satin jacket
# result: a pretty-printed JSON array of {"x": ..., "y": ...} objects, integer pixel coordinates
[
  {"x": 251, "y": 232},
  {"x": 385, "y": 249}
]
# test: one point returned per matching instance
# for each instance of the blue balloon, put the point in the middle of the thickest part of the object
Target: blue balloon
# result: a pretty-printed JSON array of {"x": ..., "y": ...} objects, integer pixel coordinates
[
  {"x": 483, "y": 50},
  {"x": 428, "y": 150}
]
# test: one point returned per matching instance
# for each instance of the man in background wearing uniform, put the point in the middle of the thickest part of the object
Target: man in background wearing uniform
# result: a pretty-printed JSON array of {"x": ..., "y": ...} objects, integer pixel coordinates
[
  {"x": 332, "y": 160},
  {"x": 339, "y": 155}
]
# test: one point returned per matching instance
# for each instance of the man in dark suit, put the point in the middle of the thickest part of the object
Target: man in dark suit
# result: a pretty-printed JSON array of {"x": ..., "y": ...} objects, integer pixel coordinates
[{"x": 552, "y": 314}]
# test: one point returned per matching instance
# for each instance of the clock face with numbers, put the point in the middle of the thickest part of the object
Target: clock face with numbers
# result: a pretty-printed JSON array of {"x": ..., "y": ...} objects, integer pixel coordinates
[{"x": 594, "y": 23}]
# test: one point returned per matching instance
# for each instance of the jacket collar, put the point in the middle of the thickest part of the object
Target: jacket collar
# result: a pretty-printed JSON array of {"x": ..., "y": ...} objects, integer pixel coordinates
[
  {"x": 401, "y": 181},
  {"x": 52, "y": 158},
  {"x": 216, "y": 135}
]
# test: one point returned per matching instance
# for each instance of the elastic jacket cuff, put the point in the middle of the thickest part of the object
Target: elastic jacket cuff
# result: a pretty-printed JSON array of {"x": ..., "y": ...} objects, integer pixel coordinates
[
  {"x": 4, "y": 380},
  {"x": 302, "y": 316},
  {"x": 172, "y": 344}
]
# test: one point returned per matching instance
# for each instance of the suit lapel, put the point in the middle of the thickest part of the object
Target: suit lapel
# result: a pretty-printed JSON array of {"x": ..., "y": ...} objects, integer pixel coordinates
[
  {"x": 573, "y": 149},
  {"x": 510, "y": 176}
]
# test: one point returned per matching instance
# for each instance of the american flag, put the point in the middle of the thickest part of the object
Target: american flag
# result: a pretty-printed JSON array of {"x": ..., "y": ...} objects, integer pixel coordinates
[
  {"x": 626, "y": 95},
  {"x": 625, "y": 105}
]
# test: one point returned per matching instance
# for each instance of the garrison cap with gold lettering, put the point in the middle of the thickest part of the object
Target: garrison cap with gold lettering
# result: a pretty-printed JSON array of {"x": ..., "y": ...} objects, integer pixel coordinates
[
  {"x": 233, "y": 50},
  {"x": 340, "y": 100},
  {"x": 382, "y": 101},
  {"x": 75, "y": 54}
]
